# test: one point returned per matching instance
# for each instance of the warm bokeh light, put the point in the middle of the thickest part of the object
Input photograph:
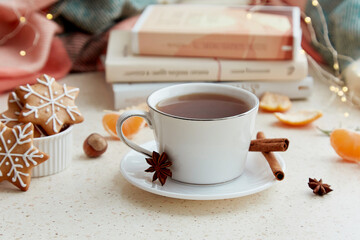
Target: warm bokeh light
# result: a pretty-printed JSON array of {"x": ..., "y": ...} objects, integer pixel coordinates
[{"x": 49, "y": 16}]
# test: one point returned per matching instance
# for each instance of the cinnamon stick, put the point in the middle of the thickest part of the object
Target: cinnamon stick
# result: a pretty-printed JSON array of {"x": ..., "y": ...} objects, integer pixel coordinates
[
  {"x": 269, "y": 145},
  {"x": 271, "y": 159}
]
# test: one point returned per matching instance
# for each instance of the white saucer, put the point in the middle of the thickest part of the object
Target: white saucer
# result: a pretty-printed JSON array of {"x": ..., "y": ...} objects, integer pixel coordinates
[{"x": 256, "y": 177}]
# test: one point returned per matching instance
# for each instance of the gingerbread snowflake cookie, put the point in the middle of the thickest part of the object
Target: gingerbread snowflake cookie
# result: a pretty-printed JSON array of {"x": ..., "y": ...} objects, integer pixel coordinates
[
  {"x": 11, "y": 116},
  {"x": 49, "y": 104},
  {"x": 18, "y": 155}
]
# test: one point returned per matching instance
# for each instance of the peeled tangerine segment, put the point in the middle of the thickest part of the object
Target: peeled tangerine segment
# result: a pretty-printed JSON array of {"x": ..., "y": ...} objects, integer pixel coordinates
[
  {"x": 130, "y": 127},
  {"x": 273, "y": 102},
  {"x": 346, "y": 144},
  {"x": 299, "y": 118}
]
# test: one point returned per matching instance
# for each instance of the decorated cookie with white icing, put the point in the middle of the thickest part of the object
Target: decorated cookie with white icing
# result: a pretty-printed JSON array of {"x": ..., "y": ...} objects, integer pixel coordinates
[
  {"x": 18, "y": 155},
  {"x": 11, "y": 116},
  {"x": 49, "y": 104}
]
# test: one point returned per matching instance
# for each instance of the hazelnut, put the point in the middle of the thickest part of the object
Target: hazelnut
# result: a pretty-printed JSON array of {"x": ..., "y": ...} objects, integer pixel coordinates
[{"x": 95, "y": 145}]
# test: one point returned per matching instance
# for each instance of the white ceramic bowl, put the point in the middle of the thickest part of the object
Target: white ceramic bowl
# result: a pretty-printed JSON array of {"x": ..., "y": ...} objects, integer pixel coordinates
[{"x": 59, "y": 149}]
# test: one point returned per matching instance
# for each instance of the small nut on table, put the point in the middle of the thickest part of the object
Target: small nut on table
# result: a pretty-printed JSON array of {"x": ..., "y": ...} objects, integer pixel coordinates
[{"x": 95, "y": 145}]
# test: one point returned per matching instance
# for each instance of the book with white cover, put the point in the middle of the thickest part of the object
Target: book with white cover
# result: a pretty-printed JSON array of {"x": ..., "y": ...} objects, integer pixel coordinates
[
  {"x": 129, "y": 94},
  {"x": 121, "y": 65}
]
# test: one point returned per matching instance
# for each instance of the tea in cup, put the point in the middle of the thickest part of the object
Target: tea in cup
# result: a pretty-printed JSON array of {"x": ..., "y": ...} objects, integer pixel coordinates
[{"x": 204, "y": 128}]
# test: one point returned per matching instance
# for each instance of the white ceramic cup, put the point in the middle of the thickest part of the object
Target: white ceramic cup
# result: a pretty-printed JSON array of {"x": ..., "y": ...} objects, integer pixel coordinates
[{"x": 202, "y": 151}]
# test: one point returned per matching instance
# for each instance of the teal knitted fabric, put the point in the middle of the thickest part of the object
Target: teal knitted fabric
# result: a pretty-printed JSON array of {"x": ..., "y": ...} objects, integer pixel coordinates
[
  {"x": 86, "y": 24},
  {"x": 343, "y": 20},
  {"x": 94, "y": 16}
]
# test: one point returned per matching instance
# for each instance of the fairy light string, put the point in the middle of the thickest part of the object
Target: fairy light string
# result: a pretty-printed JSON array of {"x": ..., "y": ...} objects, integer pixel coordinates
[
  {"x": 22, "y": 23},
  {"x": 337, "y": 86}
]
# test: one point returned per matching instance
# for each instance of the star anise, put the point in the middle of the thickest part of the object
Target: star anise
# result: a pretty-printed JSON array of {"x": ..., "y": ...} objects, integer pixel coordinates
[
  {"x": 159, "y": 165},
  {"x": 319, "y": 187}
]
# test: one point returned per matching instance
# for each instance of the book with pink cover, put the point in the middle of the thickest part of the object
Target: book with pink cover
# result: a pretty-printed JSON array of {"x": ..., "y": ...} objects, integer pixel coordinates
[{"x": 248, "y": 32}]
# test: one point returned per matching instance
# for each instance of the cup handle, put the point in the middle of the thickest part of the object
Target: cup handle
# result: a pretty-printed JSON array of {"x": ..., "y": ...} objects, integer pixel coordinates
[{"x": 120, "y": 122}]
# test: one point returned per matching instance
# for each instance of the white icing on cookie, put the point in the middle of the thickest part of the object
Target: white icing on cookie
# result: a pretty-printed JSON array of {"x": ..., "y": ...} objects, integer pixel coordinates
[
  {"x": 53, "y": 103},
  {"x": 6, "y": 119},
  {"x": 13, "y": 98},
  {"x": 22, "y": 136}
]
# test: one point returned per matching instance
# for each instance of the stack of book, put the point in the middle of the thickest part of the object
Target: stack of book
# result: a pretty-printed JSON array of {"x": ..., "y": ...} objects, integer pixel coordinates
[{"x": 256, "y": 49}]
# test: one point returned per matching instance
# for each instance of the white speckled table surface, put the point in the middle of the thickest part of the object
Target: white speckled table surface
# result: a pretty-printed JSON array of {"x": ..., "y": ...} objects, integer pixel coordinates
[{"x": 91, "y": 199}]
